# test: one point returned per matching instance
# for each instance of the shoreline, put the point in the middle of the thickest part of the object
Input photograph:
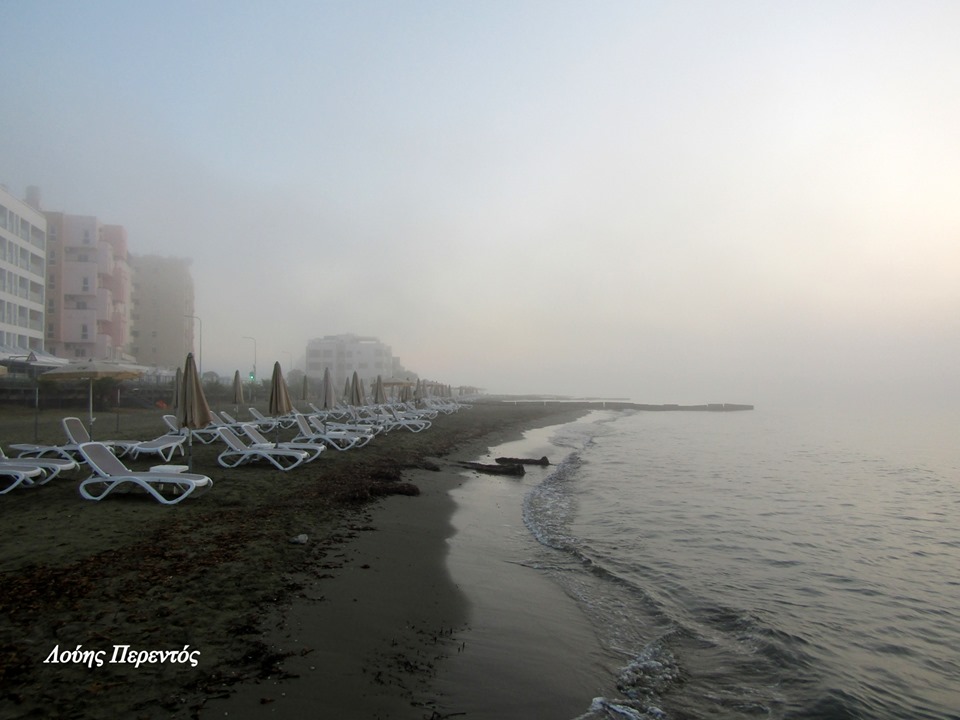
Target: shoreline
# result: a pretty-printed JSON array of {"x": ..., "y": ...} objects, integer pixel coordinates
[
  {"x": 218, "y": 574},
  {"x": 529, "y": 649},
  {"x": 376, "y": 639}
]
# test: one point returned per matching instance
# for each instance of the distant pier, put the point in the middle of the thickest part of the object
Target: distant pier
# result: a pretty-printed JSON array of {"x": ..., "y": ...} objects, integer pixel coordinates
[
  {"x": 621, "y": 404},
  {"x": 709, "y": 407}
]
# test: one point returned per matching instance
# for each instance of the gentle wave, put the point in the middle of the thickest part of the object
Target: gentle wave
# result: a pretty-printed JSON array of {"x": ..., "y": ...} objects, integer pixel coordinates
[{"x": 742, "y": 569}]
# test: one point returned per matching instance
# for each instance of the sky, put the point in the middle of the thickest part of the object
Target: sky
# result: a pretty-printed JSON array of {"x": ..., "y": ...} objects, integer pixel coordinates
[{"x": 665, "y": 201}]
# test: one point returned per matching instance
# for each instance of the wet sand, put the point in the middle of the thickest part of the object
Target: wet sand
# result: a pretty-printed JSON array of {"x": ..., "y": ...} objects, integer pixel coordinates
[
  {"x": 528, "y": 649},
  {"x": 354, "y": 623}
]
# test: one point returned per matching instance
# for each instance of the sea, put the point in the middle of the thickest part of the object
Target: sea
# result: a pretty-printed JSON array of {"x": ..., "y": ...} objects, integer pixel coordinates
[{"x": 771, "y": 563}]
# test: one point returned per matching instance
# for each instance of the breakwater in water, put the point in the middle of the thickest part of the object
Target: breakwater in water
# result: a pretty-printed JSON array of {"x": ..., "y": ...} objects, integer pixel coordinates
[
  {"x": 619, "y": 404},
  {"x": 709, "y": 407}
]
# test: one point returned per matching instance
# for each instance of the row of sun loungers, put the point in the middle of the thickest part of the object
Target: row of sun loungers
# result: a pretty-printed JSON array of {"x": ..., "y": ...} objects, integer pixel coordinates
[
  {"x": 164, "y": 446},
  {"x": 341, "y": 429},
  {"x": 30, "y": 472}
]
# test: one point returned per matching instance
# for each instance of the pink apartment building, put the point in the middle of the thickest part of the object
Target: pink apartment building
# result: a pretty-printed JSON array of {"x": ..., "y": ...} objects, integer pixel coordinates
[{"x": 88, "y": 288}]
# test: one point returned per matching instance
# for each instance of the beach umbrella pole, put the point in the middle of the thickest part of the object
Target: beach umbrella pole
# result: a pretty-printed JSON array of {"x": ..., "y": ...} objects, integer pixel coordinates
[
  {"x": 36, "y": 414},
  {"x": 90, "y": 409}
]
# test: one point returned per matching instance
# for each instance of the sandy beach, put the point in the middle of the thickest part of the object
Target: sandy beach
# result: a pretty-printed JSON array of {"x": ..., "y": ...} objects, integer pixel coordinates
[{"x": 355, "y": 622}]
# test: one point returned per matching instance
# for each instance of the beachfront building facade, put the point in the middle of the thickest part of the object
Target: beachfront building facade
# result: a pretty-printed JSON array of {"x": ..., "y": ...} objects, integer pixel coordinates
[
  {"x": 163, "y": 315},
  {"x": 88, "y": 288},
  {"x": 344, "y": 354},
  {"x": 23, "y": 249}
]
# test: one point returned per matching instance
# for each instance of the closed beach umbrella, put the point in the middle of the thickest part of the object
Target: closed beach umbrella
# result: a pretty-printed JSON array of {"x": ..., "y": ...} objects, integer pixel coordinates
[
  {"x": 91, "y": 370},
  {"x": 280, "y": 403},
  {"x": 193, "y": 412},
  {"x": 356, "y": 393},
  {"x": 379, "y": 394},
  {"x": 328, "y": 398},
  {"x": 237, "y": 391},
  {"x": 346, "y": 391},
  {"x": 305, "y": 388},
  {"x": 177, "y": 383}
]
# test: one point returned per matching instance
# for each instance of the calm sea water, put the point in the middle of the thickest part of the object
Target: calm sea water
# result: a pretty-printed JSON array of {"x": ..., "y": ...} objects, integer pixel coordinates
[{"x": 760, "y": 564}]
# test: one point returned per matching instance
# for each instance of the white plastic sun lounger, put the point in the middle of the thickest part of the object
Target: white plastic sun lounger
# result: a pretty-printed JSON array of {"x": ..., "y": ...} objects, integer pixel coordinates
[
  {"x": 413, "y": 424},
  {"x": 205, "y": 435},
  {"x": 51, "y": 466},
  {"x": 354, "y": 421},
  {"x": 336, "y": 413},
  {"x": 336, "y": 439},
  {"x": 30, "y": 450},
  {"x": 77, "y": 435},
  {"x": 410, "y": 410},
  {"x": 239, "y": 454},
  {"x": 258, "y": 440},
  {"x": 109, "y": 473},
  {"x": 270, "y": 423},
  {"x": 20, "y": 475},
  {"x": 164, "y": 446}
]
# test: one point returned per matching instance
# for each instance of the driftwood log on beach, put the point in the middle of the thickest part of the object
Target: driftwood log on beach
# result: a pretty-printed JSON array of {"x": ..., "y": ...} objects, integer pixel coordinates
[
  {"x": 515, "y": 469},
  {"x": 522, "y": 461}
]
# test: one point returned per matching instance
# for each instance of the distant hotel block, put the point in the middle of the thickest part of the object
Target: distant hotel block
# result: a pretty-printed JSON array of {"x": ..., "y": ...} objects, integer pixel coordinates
[
  {"x": 23, "y": 251},
  {"x": 344, "y": 354},
  {"x": 163, "y": 303}
]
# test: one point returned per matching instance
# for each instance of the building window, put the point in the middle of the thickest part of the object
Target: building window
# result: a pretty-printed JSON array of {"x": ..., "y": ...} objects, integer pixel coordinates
[
  {"x": 84, "y": 332},
  {"x": 86, "y": 284}
]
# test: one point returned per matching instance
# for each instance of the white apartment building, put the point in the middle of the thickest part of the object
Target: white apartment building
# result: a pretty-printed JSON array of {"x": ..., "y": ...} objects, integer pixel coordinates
[
  {"x": 23, "y": 248},
  {"x": 344, "y": 354}
]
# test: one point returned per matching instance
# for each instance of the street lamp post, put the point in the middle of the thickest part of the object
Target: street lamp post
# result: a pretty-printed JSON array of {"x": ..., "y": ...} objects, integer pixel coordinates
[
  {"x": 247, "y": 337},
  {"x": 199, "y": 345}
]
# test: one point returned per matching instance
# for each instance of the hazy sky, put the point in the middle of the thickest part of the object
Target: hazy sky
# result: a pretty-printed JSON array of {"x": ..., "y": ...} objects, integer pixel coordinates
[{"x": 668, "y": 201}]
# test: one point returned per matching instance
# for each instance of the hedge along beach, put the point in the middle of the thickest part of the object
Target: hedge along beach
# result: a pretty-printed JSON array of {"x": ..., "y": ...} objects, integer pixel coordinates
[{"x": 354, "y": 622}]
